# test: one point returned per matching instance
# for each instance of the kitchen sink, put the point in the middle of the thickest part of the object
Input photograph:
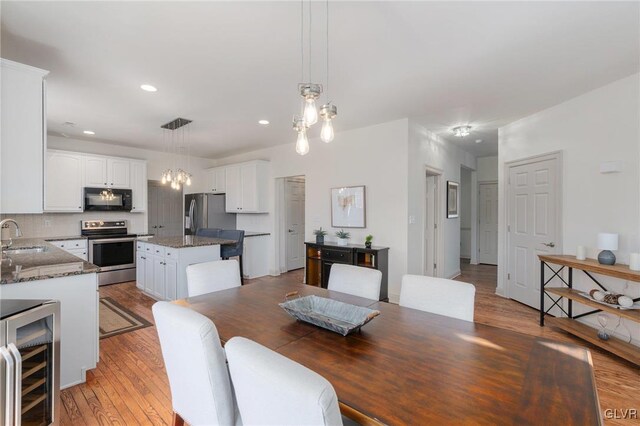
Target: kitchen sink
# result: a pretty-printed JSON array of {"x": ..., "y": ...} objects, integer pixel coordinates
[{"x": 25, "y": 250}]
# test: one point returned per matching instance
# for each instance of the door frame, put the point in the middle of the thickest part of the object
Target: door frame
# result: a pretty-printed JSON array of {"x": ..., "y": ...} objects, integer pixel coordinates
[
  {"x": 440, "y": 202},
  {"x": 480, "y": 183},
  {"x": 508, "y": 165},
  {"x": 284, "y": 230}
]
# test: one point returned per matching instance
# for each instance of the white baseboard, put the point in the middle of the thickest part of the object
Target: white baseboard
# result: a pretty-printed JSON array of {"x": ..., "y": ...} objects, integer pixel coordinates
[{"x": 455, "y": 274}]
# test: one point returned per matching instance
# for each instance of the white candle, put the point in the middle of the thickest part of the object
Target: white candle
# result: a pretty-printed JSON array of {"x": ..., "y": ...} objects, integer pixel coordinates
[
  {"x": 581, "y": 253},
  {"x": 634, "y": 261}
]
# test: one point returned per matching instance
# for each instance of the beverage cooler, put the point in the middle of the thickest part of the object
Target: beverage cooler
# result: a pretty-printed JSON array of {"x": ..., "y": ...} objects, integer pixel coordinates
[{"x": 29, "y": 362}]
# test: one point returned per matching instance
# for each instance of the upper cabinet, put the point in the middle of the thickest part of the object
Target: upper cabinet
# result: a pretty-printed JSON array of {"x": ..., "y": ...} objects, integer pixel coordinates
[
  {"x": 216, "y": 180},
  {"x": 246, "y": 187},
  {"x": 23, "y": 137},
  {"x": 63, "y": 182},
  {"x": 107, "y": 172},
  {"x": 139, "y": 186},
  {"x": 68, "y": 173}
]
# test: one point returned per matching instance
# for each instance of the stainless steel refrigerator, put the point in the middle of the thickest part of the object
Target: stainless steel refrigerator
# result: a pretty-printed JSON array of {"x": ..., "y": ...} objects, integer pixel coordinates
[{"x": 206, "y": 211}]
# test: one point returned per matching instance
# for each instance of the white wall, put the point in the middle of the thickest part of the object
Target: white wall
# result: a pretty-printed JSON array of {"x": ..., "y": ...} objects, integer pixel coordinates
[
  {"x": 488, "y": 169},
  {"x": 427, "y": 149},
  {"x": 601, "y": 125},
  {"x": 374, "y": 156},
  {"x": 63, "y": 224}
]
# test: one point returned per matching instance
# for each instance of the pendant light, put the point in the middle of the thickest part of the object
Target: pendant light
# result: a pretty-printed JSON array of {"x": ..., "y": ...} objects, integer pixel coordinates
[
  {"x": 310, "y": 92},
  {"x": 179, "y": 148},
  {"x": 302, "y": 143},
  {"x": 328, "y": 110}
]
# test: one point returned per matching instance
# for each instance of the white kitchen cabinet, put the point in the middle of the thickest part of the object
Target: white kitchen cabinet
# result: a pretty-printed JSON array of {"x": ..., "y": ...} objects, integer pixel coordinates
[
  {"x": 107, "y": 172},
  {"x": 165, "y": 268},
  {"x": 247, "y": 187},
  {"x": 216, "y": 180},
  {"x": 149, "y": 261},
  {"x": 118, "y": 173},
  {"x": 23, "y": 137},
  {"x": 77, "y": 247},
  {"x": 254, "y": 262},
  {"x": 139, "y": 186},
  {"x": 95, "y": 172},
  {"x": 63, "y": 182},
  {"x": 170, "y": 279},
  {"x": 140, "y": 270},
  {"x": 158, "y": 277}
]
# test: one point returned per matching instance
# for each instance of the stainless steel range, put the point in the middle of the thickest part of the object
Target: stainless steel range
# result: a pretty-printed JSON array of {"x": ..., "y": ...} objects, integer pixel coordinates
[{"x": 112, "y": 248}]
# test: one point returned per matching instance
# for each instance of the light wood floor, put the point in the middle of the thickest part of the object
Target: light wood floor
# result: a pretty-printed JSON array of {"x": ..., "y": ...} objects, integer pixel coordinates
[{"x": 130, "y": 385}]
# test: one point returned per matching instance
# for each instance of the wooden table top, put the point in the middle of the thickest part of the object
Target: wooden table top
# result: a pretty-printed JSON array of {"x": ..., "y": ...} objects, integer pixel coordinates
[
  {"x": 412, "y": 367},
  {"x": 592, "y": 265}
]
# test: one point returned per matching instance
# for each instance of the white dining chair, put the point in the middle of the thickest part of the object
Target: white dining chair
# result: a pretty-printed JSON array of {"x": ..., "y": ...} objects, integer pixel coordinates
[
  {"x": 355, "y": 280},
  {"x": 212, "y": 276},
  {"x": 440, "y": 296},
  {"x": 274, "y": 390},
  {"x": 201, "y": 391}
]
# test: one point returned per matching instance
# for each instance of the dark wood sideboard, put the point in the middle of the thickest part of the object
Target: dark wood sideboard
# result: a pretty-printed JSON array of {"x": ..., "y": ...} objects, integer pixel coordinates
[{"x": 320, "y": 257}]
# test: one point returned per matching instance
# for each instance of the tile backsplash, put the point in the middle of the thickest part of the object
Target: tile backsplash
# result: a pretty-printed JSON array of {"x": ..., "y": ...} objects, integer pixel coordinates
[{"x": 68, "y": 224}]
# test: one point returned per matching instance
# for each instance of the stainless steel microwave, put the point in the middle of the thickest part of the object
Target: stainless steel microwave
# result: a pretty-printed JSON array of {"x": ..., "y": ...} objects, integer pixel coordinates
[{"x": 107, "y": 199}]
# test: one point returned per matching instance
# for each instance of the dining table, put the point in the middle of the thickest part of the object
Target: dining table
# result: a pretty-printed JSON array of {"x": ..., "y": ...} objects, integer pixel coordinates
[{"x": 412, "y": 367}]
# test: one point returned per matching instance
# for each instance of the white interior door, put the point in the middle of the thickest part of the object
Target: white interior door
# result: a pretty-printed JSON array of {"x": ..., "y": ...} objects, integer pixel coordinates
[
  {"x": 488, "y": 218},
  {"x": 532, "y": 226},
  {"x": 430, "y": 234},
  {"x": 294, "y": 211}
]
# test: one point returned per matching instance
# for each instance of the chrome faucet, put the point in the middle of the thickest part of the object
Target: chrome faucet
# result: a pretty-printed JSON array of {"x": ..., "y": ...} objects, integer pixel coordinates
[{"x": 5, "y": 224}]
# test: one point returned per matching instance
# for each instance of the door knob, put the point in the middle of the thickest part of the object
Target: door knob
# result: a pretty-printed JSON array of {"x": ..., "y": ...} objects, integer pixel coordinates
[{"x": 551, "y": 244}]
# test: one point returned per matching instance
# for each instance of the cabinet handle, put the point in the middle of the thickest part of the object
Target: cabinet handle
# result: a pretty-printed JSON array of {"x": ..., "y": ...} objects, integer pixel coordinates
[
  {"x": 142, "y": 257},
  {"x": 105, "y": 184},
  {"x": 111, "y": 183}
]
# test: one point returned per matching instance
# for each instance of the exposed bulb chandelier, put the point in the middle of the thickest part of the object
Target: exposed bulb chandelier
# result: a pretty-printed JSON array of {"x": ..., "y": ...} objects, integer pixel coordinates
[
  {"x": 310, "y": 92},
  {"x": 176, "y": 176},
  {"x": 461, "y": 131}
]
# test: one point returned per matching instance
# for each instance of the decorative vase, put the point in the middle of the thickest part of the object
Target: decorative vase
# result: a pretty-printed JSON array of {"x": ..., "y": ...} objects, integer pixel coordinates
[
  {"x": 319, "y": 239},
  {"x": 367, "y": 244},
  {"x": 606, "y": 257},
  {"x": 343, "y": 241}
]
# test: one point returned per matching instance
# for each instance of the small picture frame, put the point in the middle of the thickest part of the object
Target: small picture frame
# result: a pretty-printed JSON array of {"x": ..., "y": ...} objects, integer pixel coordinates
[
  {"x": 348, "y": 207},
  {"x": 452, "y": 199}
]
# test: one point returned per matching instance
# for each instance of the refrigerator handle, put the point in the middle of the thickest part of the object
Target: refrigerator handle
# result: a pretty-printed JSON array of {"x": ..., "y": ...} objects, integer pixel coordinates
[
  {"x": 192, "y": 214},
  {"x": 9, "y": 371},
  {"x": 17, "y": 382}
]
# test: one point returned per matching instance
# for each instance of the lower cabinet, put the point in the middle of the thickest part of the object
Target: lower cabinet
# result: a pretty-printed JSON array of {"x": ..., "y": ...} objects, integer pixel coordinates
[
  {"x": 77, "y": 248},
  {"x": 161, "y": 271},
  {"x": 254, "y": 262}
]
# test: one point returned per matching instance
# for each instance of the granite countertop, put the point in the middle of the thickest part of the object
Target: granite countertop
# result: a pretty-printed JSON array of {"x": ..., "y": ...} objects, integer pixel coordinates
[
  {"x": 255, "y": 234},
  {"x": 187, "y": 241},
  {"x": 68, "y": 237},
  {"x": 53, "y": 262}
]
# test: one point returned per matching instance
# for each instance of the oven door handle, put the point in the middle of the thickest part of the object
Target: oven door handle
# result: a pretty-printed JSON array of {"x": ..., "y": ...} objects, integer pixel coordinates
[{"x": 112, "y": 240}]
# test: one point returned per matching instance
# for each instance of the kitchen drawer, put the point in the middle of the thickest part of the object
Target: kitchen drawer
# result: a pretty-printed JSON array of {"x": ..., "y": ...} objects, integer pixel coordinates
[
  {"x": 70, "y": 244},
  {"x": 338, "y": 255},
  {"x": 170, "y": 253},
  {"x": 141, "y": 246},
  {"x": 157, "y": 250},
  {"x": 81, "y": 253}
]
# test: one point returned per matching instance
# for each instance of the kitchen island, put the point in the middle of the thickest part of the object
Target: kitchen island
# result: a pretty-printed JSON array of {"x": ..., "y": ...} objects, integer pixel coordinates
[
  {"x": 35, "y": 269},
  {"x": 161, "y": 263}
]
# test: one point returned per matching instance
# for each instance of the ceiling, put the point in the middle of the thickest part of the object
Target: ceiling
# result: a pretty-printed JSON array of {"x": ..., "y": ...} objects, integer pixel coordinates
[{"x": 225, "y": 65}]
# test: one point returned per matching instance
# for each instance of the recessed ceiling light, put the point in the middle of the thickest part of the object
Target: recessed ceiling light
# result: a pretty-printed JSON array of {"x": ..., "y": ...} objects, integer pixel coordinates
[
  {"x": 461, "y": 131},
  {"x": 478, "y": 140},
  {"x": 89, "y": 132},
  {"x": 148, "y": 88},
  {"x": 263, "y": 122}
]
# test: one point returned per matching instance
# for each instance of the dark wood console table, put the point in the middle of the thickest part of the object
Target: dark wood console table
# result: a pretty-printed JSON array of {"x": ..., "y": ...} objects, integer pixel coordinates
[
  {"x": 589, "y": 266},
  {"x": 320, "y": 257}
]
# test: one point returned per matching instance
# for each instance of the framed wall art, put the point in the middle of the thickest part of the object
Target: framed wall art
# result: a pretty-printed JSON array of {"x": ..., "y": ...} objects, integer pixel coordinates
[
  {"x": 348, "y": 207},
  {"x": 452, "y": 199}
]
